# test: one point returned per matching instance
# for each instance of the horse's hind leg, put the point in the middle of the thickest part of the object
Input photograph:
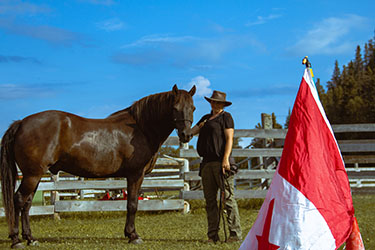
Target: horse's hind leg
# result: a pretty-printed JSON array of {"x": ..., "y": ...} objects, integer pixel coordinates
[
  {"x": 22, "y": 203},
  {"x": 16, "y": 243},
  {"x": 25, "y": 218},
  {"x": 13, "y": 235}
]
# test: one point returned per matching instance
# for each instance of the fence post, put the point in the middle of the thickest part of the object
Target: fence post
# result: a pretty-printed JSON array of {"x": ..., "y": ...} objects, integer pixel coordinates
[
  {"x": 185, "y": 166},
  {"x": 359, "y": 181},
  {"x": 266, "y": 124},
  {"x": 184, "y": 146},
  {"x": 55, "y": 194},
  {"x": 81, "y": 191}
]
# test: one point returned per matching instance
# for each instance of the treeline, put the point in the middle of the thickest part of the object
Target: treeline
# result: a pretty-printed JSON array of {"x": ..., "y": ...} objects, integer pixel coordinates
[{"x": 350, "y": 95}]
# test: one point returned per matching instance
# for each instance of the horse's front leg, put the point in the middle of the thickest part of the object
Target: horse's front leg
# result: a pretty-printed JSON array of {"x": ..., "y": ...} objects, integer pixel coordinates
[{"x": 134, "y": 184}]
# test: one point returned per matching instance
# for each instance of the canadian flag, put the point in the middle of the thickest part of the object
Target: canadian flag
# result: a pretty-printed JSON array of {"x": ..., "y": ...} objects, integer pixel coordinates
[{"x": 309, "y": 203}]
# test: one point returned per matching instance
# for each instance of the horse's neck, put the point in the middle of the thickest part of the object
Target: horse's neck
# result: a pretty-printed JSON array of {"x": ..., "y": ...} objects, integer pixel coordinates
[
  {"x": 157, "y": 131},
  {"x": 156, "y": 122}
]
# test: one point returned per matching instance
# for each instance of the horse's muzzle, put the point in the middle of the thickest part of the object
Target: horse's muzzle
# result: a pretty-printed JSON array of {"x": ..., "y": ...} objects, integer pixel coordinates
[{"x": 185, "y": 136}]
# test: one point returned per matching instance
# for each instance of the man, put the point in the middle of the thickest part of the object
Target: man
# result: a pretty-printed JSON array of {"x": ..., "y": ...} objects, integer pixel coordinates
[{"x": 214, "y": 144}]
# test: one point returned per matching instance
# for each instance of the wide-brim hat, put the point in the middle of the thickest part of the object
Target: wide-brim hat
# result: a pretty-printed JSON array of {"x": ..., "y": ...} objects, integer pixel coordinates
[{"x": 218, "y": 96}]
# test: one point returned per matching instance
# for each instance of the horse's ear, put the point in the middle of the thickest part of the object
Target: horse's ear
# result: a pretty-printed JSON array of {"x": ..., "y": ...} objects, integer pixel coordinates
[
  {"x": 175, "y": 89},
  {"x": 192, "y": 90}
]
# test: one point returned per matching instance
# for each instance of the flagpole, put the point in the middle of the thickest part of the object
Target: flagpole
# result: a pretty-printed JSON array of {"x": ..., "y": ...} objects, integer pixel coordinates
[{"x": 307, "y": 63}]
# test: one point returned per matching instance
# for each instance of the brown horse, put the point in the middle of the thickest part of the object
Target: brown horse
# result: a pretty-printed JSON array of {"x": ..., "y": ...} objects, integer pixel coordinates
[{"x": 125, "y": 144}]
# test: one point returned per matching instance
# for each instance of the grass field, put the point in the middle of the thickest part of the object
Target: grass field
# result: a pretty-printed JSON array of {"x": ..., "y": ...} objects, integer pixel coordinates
[{"x": 159, "y": 230}]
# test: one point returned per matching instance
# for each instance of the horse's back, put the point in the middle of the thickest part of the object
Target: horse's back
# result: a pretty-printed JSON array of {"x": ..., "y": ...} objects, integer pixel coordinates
[
  {"x": 41, "y": 127},
  {"x": 49, "y": 125},
  {"x": 81, "y": 146}
]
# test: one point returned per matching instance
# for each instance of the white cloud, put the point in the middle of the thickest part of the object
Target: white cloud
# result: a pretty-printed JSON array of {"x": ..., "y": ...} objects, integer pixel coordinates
[
  {"x": 202, "y": 84},
  {"x": 16, "y": 7},
  {"x": 158, "y": 39},
  {"x": 112, "y": 24},
  {"x": 330, "y": 36},
  {"x": 99, "y": 2},
  {"x": 13, "y": 91},
  {"x": 42, "y": 32},
  {"x": 263, "y": 19},
  {"x": 183, "y": 51},
  {"x": 221, "y": 29}
]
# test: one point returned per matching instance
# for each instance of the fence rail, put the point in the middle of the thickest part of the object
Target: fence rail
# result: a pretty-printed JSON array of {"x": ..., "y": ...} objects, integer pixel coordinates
[
  {"x": 107, "y": 185},
  {"x": 357, "y": 178}
]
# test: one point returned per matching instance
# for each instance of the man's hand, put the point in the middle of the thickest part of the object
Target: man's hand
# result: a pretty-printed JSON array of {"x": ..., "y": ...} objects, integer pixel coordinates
[{"x": 225, "y": 165}]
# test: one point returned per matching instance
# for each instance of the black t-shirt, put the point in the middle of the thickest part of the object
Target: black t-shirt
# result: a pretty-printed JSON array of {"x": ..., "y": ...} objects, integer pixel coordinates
[{"x": 211, "y": 140}]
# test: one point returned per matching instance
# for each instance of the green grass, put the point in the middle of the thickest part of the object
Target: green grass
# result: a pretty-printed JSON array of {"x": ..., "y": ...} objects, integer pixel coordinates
[
  {"x": 364, "y": 206},
  {"x": 159, "y": 230}
]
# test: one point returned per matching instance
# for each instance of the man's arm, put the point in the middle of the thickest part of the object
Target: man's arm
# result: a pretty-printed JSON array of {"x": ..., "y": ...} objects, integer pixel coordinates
[
  {"x": 195, "y": 130},
  {"x": 229, "y": 133}
]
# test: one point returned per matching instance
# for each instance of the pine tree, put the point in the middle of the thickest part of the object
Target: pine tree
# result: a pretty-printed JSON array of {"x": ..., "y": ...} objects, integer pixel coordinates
[
  {"x": 286, "y": 125},
  {"x": 332, "y": 99},
  {"x": 350, "y": 93},
  {"x": 368, "y": 86},
  {"x": 321, "y": 91},
  {"x": 370, "y": 54},
  {"x": 335, "y": 80},
  {"x": 358, "y": 62},
  {"x": 275, "y": 124}
]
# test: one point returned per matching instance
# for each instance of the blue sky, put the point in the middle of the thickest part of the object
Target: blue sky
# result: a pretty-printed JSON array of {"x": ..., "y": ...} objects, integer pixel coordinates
[{"x": 94, "y": 57}]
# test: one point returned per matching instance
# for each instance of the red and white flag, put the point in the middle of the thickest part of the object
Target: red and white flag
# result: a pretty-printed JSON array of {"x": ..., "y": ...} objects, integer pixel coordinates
[{"x": 309, "y": 203}]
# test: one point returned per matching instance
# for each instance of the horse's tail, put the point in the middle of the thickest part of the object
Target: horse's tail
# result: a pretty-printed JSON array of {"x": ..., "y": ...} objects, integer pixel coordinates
[{"x": 8, "y": 172}]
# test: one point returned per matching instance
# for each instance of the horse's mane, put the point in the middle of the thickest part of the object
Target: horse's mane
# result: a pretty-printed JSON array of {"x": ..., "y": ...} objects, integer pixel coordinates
[{"x": 148, "y": 108}]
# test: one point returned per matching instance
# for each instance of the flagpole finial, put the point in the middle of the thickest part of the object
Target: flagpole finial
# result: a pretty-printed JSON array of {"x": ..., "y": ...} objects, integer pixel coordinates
[{"x": 306, "y": 62}]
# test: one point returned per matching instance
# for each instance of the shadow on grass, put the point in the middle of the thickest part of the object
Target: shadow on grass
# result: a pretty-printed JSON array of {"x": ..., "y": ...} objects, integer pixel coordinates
[
  {"x": 70, "y": 239},
  {"x": 58, "y": 240},
  {"x": 174, "y": 240},
  {"x": 124, "y": 242}
]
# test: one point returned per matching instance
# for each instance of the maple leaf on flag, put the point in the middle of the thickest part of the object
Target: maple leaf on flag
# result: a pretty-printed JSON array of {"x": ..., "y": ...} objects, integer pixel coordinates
[{"x": 263, "y": 242}]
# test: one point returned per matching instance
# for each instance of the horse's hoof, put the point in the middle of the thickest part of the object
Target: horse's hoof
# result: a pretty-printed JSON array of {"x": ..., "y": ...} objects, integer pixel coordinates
[
  {"x": 18, "y": 245},
  {"x": 136, "y": 241},
  {"x": 33, "y": 243}
]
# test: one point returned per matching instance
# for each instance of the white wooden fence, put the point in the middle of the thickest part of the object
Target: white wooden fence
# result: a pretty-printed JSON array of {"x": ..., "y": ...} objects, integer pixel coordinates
[
  {"x": 360, "y": 167},
  {"x": 359, "y": 157},
  {"x": 173, "y": 181}
]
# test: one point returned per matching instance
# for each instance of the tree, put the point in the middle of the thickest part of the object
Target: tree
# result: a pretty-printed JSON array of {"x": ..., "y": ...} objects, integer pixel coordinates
[
  {"x": 350, "y": 92},
  {"x": 286, "y": 125},
  {"x": 358, "y": 62},
  {"x": 321, "y": 91},
  {"x": 335, "y": 80},
  {"x": 275, "y": 124}
]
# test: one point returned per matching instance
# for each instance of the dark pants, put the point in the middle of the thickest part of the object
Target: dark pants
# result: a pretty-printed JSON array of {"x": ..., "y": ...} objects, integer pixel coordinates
[{"x": 211, "y": 180}]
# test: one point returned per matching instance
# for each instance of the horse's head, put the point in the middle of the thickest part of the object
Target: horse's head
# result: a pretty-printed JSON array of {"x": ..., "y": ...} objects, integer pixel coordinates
[{"x": 183, "y": 108}]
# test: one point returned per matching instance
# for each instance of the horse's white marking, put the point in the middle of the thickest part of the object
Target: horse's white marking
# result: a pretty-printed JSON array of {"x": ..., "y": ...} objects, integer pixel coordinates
[
  {"x": 69, "y": 122},
  {"x": 103, "y": 141}
]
